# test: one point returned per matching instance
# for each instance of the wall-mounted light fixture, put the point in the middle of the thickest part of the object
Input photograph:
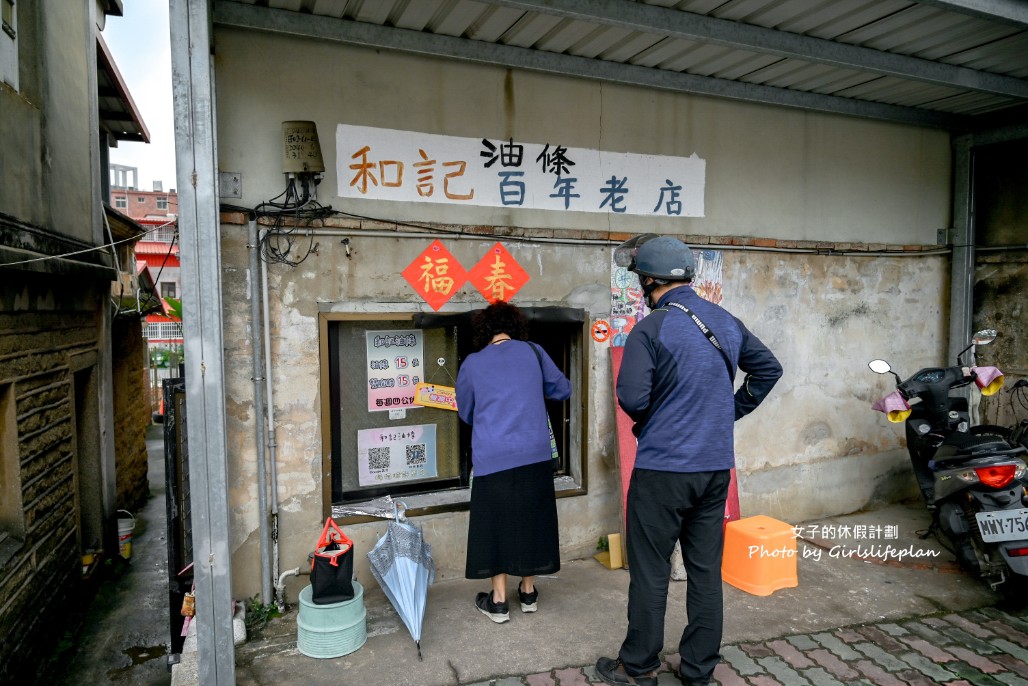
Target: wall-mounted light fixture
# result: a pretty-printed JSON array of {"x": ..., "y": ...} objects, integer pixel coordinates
[{"x": 301, "y": 158}]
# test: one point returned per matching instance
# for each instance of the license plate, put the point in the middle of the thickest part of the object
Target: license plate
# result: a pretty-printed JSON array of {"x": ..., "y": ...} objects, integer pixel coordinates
[{"x": 1006, "y": 525}]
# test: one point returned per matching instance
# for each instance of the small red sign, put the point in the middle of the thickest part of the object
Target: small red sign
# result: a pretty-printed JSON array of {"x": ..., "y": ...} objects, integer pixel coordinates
[
  {"x": 498, "y": 276},
  {"x": 601, "y": 331},
  {"x": 435, "y": 275}
]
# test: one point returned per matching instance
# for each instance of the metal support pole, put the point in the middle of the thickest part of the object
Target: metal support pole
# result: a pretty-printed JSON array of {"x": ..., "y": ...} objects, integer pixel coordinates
[
  {"x": 257, "y": 350},
  {"x": 962, "y": 240},
  {"x": 196, "y": 161}
]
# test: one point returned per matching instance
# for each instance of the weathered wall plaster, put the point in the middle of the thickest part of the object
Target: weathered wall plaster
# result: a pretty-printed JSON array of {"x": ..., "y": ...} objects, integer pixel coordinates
[
  {"x": 771, "y": 172},
  {"x": 1001, "y": 281},
  {"x": 814, "y": 449},
  {"x": 815, "y": 444}
]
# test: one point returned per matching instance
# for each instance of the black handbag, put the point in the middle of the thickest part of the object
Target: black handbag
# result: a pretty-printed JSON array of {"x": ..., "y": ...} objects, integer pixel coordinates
[{"x": 332, "y": 566}]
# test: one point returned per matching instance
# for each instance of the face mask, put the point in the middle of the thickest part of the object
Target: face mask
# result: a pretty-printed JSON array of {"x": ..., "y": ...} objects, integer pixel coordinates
[{"x": 648, "y": 289}]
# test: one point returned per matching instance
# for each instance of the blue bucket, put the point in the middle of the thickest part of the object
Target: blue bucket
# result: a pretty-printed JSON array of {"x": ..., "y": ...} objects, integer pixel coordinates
[{"x": 326, "y": 631}]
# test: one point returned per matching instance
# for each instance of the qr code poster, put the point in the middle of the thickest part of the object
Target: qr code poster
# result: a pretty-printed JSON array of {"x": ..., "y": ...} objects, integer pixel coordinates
[
  {"x": 395, "y": 367},
  {"x": 394, "y": 454}
]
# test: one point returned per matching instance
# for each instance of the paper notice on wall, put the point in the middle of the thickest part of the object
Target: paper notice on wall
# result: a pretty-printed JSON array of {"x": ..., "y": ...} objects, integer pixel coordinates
[
  {"x": 395, "y": 454},
  {"x": 395, "y": 362}
]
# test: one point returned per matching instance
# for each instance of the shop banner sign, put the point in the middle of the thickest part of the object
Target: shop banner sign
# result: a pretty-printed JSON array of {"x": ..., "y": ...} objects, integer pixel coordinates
[
  {"x": 396, "y": 453},
  {"x": 407, "y": 166},
  {"x": 395, "y": 362}
]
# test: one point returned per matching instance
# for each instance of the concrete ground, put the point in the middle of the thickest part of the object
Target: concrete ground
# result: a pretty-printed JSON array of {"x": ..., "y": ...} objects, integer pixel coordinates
[
  {"x": 125, "y": 637},
  {"x": 860, "y": 613}
]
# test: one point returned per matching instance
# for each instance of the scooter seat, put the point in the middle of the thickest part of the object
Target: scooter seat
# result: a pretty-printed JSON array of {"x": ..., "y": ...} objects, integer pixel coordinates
[{"x": 959, "y": 446}]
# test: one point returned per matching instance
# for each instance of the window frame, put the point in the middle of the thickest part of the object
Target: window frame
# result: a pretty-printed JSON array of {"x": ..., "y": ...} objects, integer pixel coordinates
[
  {"x": 452, "y": 498},
  {"x": 10, "y": 18},
  {"x": 9, "y": 43}
]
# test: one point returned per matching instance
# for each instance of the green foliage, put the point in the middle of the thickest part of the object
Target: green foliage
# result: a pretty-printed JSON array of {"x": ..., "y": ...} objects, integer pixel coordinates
[
  {"x": 603, "y": 544},
  {"x": 174, "y": 307},
  {"x": 161, "y": 357},
  {"x": 258, "y": 614}
]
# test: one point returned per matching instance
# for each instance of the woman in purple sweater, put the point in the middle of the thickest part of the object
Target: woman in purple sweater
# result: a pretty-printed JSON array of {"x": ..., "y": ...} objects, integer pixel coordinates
[{"x": 513, "y": 523}]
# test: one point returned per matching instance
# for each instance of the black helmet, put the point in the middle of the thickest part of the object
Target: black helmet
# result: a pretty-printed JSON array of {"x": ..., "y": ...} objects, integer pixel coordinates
[{"x": 659, "y": 257}]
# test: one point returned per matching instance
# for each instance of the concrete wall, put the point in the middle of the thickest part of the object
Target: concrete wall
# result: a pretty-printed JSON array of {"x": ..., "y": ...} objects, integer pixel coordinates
[
  {"x": 56, "y": 433},
  {"x": 775, "y": 177},
  {"x": 131, "y": 412},
  {"x": 814, "y": 449},
  {"x": 1001, "y": 275},
  {"x": 46, "y": 125},
  {"x": 771, "y": 172},
  {"x": 48, "y": 369}
]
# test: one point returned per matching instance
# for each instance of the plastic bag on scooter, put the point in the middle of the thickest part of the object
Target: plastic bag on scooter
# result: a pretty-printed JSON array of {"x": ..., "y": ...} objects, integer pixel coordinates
[
  {"x": 894, "y": 406},
  {"x": 988, "y": 379}
]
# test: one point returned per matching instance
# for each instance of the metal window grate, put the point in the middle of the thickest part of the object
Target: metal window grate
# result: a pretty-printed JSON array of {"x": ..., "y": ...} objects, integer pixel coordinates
[
  {"x": 164, "y": 234},
  {"x": 163, "y": 331}
]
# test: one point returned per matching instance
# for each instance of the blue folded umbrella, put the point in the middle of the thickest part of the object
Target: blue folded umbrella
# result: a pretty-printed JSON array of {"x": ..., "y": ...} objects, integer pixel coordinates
[{"x": 402, "y": 564}]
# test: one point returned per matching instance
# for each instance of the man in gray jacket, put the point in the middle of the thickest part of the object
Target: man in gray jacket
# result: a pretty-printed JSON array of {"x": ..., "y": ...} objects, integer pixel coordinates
[{"x": 677, "y": 383}]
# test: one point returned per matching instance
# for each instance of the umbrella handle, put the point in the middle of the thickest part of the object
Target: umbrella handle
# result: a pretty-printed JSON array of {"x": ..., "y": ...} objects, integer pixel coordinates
[{"x": 399, "y": 514}]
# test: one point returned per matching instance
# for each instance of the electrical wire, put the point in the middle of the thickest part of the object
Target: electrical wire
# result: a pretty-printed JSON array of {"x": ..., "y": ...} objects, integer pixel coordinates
[
  {"x": 277, "y": 242},
  {"x": 115, "y": 304},
  {"x": 105, "y": 246},
  {"x": 1019, "y": 393},
  {"x": 157, "y": 279},
  {"x": 280, "y": 244}
]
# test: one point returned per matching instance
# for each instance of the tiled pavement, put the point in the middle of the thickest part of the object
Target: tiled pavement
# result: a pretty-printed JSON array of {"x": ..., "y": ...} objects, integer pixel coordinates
[{"x": 984, "y": 647}]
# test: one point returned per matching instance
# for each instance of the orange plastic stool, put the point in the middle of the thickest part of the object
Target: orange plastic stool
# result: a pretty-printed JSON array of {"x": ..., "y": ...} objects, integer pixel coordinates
[{"x": 760, "y": 555}]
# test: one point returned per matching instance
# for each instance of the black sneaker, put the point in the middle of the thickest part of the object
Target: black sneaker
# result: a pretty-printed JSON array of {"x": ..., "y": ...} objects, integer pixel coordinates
[
  {"x": 498, "y": 612},
  {"x": 612, "y": 671},
  {"x": 686, "y": 681},
  {"x": 528, "y": 600}
]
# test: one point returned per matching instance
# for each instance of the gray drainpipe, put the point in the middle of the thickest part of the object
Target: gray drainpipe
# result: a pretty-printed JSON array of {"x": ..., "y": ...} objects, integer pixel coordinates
[
  {"x": 272, "y": 443},
  {"x": 257, "y": 350},
  {"x": 962, "y": 240}
]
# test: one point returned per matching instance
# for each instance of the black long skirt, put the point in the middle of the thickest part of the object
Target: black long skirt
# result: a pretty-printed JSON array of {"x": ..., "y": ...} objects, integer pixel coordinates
[{"x": 513, "y": 523}]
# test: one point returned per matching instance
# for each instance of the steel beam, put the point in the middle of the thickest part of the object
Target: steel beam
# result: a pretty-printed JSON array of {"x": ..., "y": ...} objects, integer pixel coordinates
[
  {"x": 200, "y": 252},
  {"x": 962, "y": 239}
]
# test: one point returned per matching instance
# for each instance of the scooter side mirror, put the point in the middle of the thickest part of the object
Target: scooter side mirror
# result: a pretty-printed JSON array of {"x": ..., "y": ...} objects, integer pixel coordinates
[
  {"x": 984, "y": 337},
  {"x": 879, "y": 366}
]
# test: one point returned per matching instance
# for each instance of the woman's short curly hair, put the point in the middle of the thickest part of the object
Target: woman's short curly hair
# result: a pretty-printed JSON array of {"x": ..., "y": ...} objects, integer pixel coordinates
[{"x": 500, "y": 317}]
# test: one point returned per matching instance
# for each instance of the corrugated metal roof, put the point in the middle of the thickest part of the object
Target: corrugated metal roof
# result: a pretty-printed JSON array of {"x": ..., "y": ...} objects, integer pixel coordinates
[
  {"x": 954, "y": 64},
  {"x": 148, "y": 248}
]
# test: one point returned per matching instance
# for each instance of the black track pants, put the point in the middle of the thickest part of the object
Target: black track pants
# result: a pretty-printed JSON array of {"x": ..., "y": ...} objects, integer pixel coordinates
[{"x": 664, "y": 507}]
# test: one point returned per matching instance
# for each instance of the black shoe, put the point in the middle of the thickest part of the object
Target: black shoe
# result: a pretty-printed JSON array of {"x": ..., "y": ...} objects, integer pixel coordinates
[
  {"x": 498, "y": 612},
  {"x": 693, "y": 682},
  {"x": 686, "y": 681},
  {"x": 529, "y": 601},
  {"x": 612, "y": 671}
]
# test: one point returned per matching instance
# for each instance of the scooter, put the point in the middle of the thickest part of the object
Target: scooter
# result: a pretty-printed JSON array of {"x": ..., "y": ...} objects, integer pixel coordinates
[{"x": 972, "y": 478}]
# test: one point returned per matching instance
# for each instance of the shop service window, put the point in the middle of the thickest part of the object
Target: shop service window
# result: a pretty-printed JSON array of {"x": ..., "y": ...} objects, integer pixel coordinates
[{"x": 379, "y": 441}]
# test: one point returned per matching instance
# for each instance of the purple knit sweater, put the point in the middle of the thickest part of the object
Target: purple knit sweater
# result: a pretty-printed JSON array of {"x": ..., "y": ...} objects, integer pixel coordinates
[{"x": 500, "y": 394}]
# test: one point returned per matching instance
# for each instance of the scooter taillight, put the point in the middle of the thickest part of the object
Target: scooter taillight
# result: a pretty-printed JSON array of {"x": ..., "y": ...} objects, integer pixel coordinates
[
  {"x": 996, "y": 476},
  {"x": 1017, "y": 552}
]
